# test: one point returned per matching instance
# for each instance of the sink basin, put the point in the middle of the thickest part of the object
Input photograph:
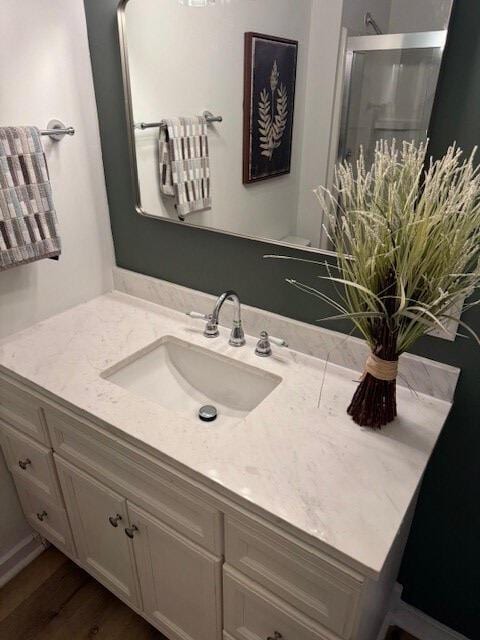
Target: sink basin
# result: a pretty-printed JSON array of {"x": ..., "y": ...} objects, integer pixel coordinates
[{"x": 183, "y": 377}]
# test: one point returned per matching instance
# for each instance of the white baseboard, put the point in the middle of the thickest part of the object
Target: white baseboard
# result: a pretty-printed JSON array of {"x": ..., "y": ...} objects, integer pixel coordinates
[
  {"x": 414, "y": 621},
  {"x": 19, "y": 556}
]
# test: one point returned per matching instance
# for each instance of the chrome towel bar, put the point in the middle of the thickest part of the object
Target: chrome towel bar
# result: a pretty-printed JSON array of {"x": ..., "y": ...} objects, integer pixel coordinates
[{"x": 209, "y": 117}]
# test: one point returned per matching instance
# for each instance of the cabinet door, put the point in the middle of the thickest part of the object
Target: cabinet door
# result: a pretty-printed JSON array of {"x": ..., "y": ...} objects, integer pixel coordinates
[
  {"x": 99, "y": 516},
  {"x": 180, "y": 581},
  {"x": 46, "y": 517}
]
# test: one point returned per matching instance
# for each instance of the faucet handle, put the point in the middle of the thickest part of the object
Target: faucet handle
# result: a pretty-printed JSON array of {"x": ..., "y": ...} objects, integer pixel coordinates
[
  {"x": 197, "y": 315},
  {"x": 264, "y": 348},
  {"x": 211, "y": 328},
  {"x": 280, "y": 342}
]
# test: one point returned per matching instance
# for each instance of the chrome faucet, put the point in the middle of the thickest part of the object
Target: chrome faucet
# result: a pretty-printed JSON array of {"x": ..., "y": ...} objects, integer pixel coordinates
[{"x": 237, "y": 336}]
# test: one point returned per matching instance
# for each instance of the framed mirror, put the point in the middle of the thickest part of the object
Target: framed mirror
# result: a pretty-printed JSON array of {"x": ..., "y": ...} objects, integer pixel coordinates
[{"x": 238, "y": 109}]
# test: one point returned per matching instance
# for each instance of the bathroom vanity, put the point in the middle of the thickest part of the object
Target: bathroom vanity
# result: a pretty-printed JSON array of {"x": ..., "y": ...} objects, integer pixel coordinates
[{"x": 280, "y": 520}]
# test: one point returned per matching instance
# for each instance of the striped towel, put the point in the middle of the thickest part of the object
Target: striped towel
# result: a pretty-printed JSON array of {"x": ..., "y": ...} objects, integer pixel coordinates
[
  {"x": 28, "y": 222},
  {"x": 184, "y": 164}
]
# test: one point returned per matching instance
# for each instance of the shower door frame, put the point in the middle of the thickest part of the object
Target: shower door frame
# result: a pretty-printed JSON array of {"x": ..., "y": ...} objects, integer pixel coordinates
[{"x": 384, "y": 42}]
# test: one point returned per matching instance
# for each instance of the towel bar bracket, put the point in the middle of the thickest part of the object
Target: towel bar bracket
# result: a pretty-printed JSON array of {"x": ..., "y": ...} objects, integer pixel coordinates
[{"x": 56, "y": 130}]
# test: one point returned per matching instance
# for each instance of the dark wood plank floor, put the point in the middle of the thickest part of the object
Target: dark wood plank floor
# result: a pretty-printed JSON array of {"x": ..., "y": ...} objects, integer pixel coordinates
[{"x": 53, "y": 599}]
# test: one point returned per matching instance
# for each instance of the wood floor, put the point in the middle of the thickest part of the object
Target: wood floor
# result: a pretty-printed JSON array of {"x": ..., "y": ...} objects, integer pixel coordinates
[{"x": 53, "y": 599}]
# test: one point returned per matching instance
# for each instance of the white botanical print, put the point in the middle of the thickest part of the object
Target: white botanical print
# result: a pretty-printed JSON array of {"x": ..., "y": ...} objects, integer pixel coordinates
[{"x": 273, "y": 113}]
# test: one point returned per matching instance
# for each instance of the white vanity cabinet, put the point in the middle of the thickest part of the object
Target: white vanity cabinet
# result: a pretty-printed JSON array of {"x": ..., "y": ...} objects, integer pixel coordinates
[
  {"x": 147, "y": 564},
  {"x": 315, "y": 587},
  {"x": 98, "y": 516},
  {"x": 48, "y": 518},
  {"x": 194, "y": 563},
  {"x": 252, "y": 613},
  {"x": 22, "y": 410},
  {"x": 180, "y": 581},
  {"x": 30, "y": 462},
  {"x": 28, "y": 454}
]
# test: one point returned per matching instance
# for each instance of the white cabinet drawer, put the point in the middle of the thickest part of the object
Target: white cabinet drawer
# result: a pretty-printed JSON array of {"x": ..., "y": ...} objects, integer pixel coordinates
[
  {"x": 252, "y": 613},
  {"x": 138, "y": 478},
  {"x": 21, "y": 410},
  {"x": 31, "y": 462},
  {"x": 47, "y": 518},
  {"x": 317, "y": 588}
]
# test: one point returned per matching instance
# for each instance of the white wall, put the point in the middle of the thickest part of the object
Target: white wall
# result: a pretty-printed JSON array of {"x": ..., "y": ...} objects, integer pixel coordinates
[
  {"x": 325, "y": 32},
  {"x": 184, "y": 60},
  {"x": 419, "y": 15},
  {"x": 45, "y": 73}
]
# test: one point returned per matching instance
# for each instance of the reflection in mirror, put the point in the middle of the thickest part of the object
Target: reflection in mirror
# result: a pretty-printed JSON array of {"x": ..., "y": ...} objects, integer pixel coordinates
[{"x": 239, "y": 109}]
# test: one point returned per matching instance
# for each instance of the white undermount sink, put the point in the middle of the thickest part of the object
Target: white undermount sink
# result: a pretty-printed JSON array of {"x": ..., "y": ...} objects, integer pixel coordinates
[{"x": 183, "y": 377}]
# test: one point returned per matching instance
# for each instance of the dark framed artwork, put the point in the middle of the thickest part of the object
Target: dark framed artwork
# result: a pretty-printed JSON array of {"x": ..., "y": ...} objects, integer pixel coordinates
[{"x": 269, "y": 100}]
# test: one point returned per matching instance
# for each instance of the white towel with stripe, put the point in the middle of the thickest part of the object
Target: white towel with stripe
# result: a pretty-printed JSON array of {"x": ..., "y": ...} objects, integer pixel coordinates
[{"x": 185, "y": 164}]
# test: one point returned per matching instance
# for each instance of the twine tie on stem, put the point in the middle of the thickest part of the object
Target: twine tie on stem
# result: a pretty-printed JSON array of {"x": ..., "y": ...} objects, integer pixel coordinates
[{"x": 386, "y": 370}]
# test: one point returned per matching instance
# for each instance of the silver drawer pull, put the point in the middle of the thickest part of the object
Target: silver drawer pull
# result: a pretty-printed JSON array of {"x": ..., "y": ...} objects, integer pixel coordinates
[
  {"x": 130, "y": 531},
  {"x": 23, "y": 464},
  {"x": 276, "y": 636},
  {"x": 42, "y": 516},
  {"x": 115, "y": 520}
]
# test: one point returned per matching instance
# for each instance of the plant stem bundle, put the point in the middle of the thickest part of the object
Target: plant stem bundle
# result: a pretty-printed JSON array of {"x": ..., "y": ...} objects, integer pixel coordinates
[{"x": 407, "y": 237}]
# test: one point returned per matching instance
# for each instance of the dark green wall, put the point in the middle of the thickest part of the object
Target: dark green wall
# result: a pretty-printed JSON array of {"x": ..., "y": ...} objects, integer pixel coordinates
[
  {"x": 441, "y": 565},
  {"x": 442, "y": 562}
]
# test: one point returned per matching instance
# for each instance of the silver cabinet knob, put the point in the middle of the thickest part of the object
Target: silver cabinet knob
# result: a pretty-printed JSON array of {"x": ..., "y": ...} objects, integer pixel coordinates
[
  {"x": 276, "y": 636},
  {"x": 130, "y": 531},
  {"x": 114, "y": 520},
  {"x": 23, "y": 464},
  {"x": 41, "y": 516}
]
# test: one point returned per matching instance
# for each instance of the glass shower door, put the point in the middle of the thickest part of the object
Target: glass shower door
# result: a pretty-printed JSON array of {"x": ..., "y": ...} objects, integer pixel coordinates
[{"x": 390, "y": 86}]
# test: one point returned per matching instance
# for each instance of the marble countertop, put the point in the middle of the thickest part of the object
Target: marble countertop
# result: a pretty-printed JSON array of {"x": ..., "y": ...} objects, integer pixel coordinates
[{"x": 297, "y": 457}]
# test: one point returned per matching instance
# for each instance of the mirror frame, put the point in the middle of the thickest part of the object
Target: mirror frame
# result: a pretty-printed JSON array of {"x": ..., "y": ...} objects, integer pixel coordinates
[{"x": 127, "y": 94}]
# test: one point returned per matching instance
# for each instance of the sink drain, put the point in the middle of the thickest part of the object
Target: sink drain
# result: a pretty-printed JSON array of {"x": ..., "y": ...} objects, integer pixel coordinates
[{"x": 208, "y": 413}]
